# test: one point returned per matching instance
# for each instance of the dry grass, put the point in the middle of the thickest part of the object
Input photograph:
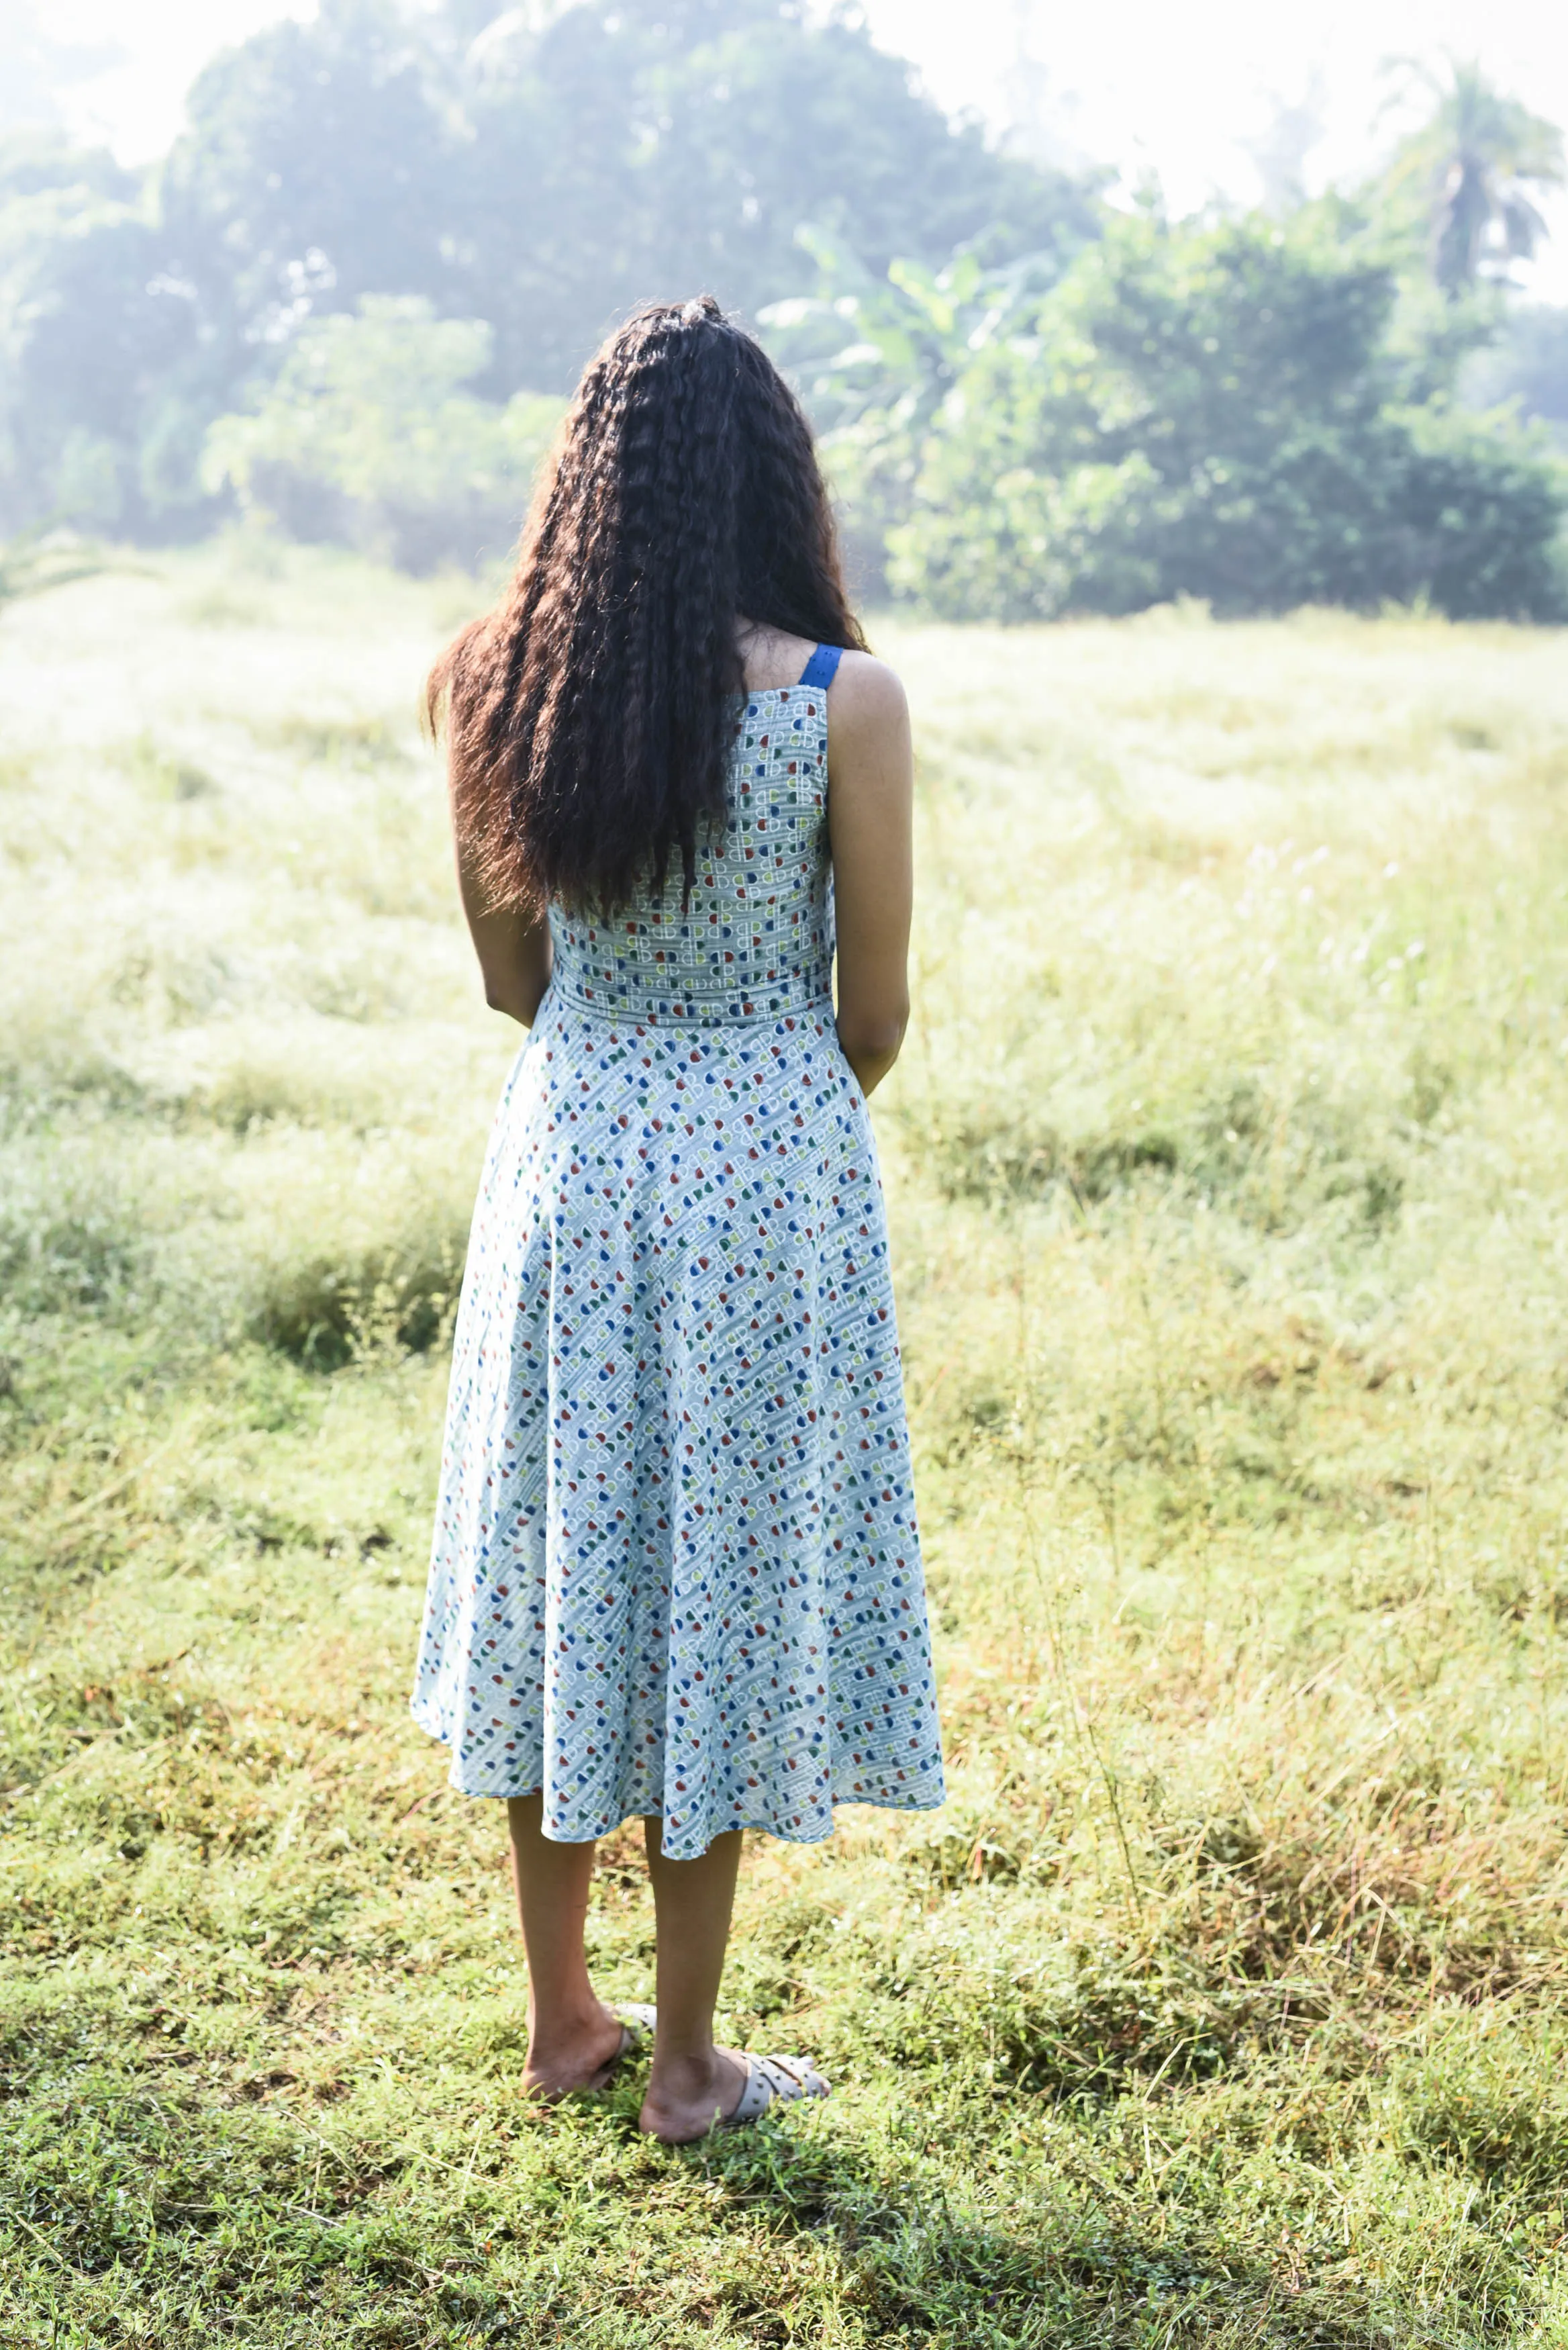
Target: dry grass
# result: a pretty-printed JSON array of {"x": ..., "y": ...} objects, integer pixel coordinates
[{"x": 1225, "y": 2002}]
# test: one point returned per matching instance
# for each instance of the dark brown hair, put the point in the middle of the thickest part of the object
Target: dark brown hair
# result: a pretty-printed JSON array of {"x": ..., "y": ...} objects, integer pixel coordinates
[{"x": 591, "y": 716}]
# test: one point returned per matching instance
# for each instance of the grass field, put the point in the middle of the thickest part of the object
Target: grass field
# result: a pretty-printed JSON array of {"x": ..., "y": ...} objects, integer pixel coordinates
[{"x": 1227, "y": 1163}]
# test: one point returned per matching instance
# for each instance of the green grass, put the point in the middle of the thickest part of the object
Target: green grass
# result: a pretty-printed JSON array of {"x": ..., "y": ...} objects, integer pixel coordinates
[{"x": 1227, "y": 1163}]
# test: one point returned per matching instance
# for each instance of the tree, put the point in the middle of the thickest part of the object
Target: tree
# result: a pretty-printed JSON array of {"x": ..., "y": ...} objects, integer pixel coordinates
[
  {"x": 1473, "y": 172},
  {"x": 549, "y": 177},
  {"x": 1526, "y": 365},
  {"x": 638, "y": 148},
  {"x": 1221, "y": 412},
  {"x": 540, "y": 176},
  {"x": 368, "y": 434},
  {"x": 318, "y": 166},
  {"x": 874, "y": 357},
  {"x": 107, "y": 387}
]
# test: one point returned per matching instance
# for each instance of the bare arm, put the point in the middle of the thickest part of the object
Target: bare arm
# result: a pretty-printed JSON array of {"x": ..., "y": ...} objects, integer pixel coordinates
[
  {"x": 513, "y": 945},
  {"x": 870, "y": 814}
]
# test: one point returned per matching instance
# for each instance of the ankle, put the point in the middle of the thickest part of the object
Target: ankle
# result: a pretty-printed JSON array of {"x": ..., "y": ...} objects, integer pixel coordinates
[
  {"x": 684, "y": 2072},
  {"x": 565, "y": 2024}
]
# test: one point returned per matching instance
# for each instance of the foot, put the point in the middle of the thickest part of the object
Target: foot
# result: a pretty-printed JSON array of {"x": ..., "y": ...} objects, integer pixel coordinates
[
  {"x": 685, "y": 2096},
  {"x": 580, "y": 2055}
]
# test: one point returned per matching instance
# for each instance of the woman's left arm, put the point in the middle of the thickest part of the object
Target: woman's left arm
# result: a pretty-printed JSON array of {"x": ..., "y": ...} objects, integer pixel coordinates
[
  {"x": 512, "y": 943},
  {"x": 870, "y": 823}
]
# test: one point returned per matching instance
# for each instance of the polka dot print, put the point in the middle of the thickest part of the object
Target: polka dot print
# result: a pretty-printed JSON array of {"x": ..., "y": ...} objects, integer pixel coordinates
[{"x": 676, "y": 1565}]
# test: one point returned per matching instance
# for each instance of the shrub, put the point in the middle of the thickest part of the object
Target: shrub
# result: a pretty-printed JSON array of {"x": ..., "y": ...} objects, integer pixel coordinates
[
  {"x": 1221, "y": 413},
  {"x": 367, "y": 437}
]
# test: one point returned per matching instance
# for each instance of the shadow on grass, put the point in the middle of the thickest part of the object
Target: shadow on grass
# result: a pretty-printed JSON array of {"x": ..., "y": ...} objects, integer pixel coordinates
[
  {"x": 1061, "y": 2273},
  {"x": 144, "y": 2204}
]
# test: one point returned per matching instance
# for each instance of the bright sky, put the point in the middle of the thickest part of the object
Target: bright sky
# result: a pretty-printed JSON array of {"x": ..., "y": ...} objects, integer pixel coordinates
[{"x": 1182, "y": 93}]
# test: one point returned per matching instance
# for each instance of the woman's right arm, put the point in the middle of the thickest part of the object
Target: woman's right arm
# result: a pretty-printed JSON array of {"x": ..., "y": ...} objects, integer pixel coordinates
[
  {"x": 870, "y": 825},
  {"x": 512, "y": 943}
]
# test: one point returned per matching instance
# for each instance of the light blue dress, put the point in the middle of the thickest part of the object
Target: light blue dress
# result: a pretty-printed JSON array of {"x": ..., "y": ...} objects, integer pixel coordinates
[{"x": 675, "y": 1567}]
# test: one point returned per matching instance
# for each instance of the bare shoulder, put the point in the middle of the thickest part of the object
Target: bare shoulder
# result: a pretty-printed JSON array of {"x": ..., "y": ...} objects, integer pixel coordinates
[
  {"x": 868, "y": 699},
  {"x": 870, "y": 764}
]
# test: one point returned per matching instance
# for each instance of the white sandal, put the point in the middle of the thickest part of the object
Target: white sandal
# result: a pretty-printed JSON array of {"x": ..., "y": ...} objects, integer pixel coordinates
[
  {"x": 774, "y": 2080},
  {"x": 636, "y": 2026}
]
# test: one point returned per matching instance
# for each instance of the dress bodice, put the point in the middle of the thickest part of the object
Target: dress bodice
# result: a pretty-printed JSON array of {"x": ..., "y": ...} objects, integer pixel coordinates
[{"x": 756, "y": 941}]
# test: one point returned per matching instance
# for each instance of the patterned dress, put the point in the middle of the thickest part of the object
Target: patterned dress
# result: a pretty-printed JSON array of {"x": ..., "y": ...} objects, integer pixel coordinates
[{"x": 676, "y": 1568}]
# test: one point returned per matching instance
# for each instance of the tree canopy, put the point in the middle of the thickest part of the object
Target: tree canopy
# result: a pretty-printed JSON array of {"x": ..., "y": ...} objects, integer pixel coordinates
[
  {"x": 370, "y": 434},
  {"x": 541, "y": 179},
  {"x": 388, "y": 238},
  {"x": 1223, "y": 412}
]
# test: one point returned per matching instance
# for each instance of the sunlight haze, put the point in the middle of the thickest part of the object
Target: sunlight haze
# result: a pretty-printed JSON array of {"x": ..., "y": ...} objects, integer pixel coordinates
[{"x": 1191, "y": 99}]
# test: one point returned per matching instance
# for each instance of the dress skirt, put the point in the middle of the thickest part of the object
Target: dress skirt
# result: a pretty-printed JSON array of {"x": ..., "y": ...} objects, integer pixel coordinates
[{"x": 675, "y": 1567}]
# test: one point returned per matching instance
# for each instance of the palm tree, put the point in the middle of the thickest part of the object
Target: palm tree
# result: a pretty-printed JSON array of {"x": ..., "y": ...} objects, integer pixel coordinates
[{"x": 1476, "y": 167}]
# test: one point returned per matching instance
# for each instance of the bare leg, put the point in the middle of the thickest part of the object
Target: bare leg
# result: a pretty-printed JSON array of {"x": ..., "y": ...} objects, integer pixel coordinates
[
  {"x": 572, "y": 2035},
  {"x": 690, "y": 2080}
]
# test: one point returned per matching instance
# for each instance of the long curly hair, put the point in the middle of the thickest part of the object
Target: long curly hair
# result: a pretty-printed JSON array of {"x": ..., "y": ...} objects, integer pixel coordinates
[{"x": 591, "y": 716}]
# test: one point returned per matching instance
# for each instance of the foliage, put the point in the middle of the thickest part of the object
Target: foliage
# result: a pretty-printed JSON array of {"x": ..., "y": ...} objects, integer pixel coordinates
[
  {"x": 317, "y": 166},
  {"x": 100, "y": 411},
  {"x": 656, "y": 148},
  {"x": 1528, "y": 364},
  {"x": 1470, "y": 177},
  {"x": 542, "y": 179},
  {"x": 367, "y": 437},
  {"x": 874, "y": 357},
  {"x": 1225, "y": 2003},
  {"x": 1221, "y": 412}
]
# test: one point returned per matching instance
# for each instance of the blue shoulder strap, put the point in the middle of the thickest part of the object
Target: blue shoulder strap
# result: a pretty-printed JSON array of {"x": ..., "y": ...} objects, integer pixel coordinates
[{"x": 823, "y": 667}]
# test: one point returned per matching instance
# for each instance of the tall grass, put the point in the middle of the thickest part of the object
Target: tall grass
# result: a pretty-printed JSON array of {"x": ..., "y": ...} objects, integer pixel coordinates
[{"x": 1225, "y": 2000}]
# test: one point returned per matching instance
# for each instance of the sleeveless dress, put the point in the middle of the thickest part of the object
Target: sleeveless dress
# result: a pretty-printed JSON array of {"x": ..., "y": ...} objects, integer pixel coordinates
[{"x": 676, "y": 1568}]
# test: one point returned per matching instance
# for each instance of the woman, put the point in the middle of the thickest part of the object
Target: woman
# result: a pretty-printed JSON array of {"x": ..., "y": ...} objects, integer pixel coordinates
[{"x": 676, "y": 1568}]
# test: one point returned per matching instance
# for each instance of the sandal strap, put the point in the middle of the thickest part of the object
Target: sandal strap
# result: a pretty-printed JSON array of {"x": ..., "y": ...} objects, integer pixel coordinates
[{"x": 784, "y": 2080}]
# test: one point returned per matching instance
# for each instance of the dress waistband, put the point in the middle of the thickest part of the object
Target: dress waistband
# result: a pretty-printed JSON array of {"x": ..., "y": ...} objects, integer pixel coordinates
[{"x": 692, "y": 1012}]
